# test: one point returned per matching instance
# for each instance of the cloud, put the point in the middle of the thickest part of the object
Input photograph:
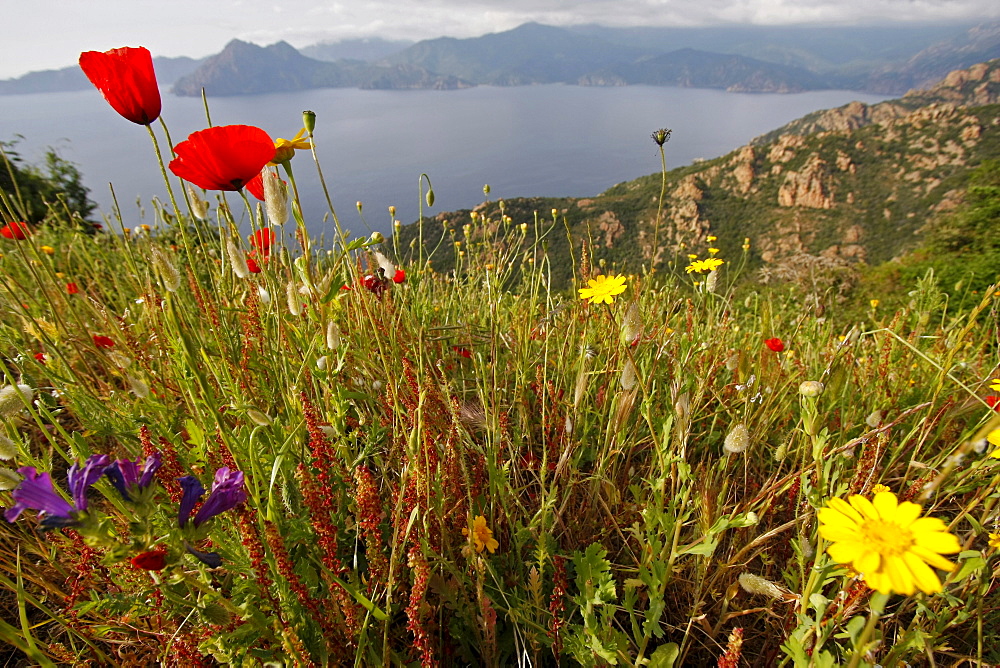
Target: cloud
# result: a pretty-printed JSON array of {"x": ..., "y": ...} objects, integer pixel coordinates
[{"x": 52, "y": 33}]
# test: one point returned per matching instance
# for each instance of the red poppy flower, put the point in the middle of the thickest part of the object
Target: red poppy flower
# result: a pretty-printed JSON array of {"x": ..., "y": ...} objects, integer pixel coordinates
[
  {"x": 41, "y": 357},
  {"x": 399, "y": 276},
  {"x": 16, "y": 230},
  {"x": 154, "y": 560},
  {"x": 225, "y": 157},
  {"x": 252, "y": 265},
  {"x": 374, "y": 284},
  {"x": 262, "y": 240},
  {"x": 127, "y": 81},
  {"x": 993, "y": 402},
  {"x": 72, "y": 289},
  {"x": 255, "y": 186},
  {"x": 463, "y": 352},
  {"x": 103, "y": 341},
  {"x": 777, "y": 345}
]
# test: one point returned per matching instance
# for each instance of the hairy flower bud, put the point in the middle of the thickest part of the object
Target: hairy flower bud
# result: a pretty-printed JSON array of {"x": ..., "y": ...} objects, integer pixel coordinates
[
  {"x": 755, "y": 584},
  {"x": 737, "y": 440},
  {"x": 275, "y": 197},
  {"x": 332, "y": 336},
  {"x": 199, "y": 207},
  {"x": 168, "y": 272},
  {"x": 292, "y": 297},
  {"x": 236, "y": 259},
  {"x": 811, "y": 388},
  {"x": 13, "y": 398},
  {"x": 8, "y": 448}
]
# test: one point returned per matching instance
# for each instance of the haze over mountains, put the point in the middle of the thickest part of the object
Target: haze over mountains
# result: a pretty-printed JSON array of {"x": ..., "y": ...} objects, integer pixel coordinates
[{"x": 887, "y": 60}]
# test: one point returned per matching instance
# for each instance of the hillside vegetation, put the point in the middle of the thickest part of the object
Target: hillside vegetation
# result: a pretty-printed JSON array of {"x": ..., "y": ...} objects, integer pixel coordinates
[
  {"x": 858, "y": 185},
  {"x": 227, "y": 446}
]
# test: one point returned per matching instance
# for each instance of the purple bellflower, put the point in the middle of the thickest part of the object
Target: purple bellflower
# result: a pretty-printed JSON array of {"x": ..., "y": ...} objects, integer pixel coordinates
[
  {"x": 36, "y": 491},
  {"x": 227, "y": 492},
  {"x": 127, "y": 478}
]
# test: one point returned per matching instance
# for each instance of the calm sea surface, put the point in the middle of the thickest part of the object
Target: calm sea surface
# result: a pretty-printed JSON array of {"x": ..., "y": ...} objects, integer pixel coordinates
[{"x": 552, "y": 140}]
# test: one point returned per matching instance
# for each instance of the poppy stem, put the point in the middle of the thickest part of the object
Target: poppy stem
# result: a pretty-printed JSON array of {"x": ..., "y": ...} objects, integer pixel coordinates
[{"x": 170, "y": 190}]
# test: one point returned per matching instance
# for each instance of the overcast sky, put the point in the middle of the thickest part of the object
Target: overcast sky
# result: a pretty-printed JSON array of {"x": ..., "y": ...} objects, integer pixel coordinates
[{"x": 46, "y": 34}]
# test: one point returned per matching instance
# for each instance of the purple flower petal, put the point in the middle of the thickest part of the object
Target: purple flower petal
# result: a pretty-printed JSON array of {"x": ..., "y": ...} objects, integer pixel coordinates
[
  {"x": 124, "y": 474},
  {"x": 36, "y": 491},
  {"x": 227, "y": 492},
  {"x": 153, "y": 463},
  {"x": 80, "y": 479},
  {"x": 191, "y": 492}
]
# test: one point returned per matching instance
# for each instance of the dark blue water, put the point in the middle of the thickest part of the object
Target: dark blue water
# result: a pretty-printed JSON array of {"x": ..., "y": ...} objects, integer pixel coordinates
[{"x": 552, "y": 140}]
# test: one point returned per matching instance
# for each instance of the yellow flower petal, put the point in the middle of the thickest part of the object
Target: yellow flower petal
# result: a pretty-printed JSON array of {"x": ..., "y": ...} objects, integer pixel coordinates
[
  {"x": 925, "y": 578},
  {"x": 864, "y": 506},
  {"x": 885, "y": 504}
]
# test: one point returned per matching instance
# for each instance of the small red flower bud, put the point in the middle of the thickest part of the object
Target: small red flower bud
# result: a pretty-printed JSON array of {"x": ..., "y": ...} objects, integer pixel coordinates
[
  {"x": 103, "y": 341},
  {"x": 399, "y": 277},
  {"x": 154, "y": 560},
  {"x": 774, "y": 344},
  {"x": 72, "y": 289},
  {"x": 252, "y": 265}
]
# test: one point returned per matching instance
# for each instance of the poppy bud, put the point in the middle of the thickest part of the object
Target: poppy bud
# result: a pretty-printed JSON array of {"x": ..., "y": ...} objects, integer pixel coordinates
[
  {"x": 430, "y": 197},
  {"x": 309, "y": 120},
  {"x": 486, "y": 189}
]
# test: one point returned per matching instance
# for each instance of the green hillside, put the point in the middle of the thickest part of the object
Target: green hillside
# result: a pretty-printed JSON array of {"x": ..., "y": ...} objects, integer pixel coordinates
[{"x": 859, "y": 192}]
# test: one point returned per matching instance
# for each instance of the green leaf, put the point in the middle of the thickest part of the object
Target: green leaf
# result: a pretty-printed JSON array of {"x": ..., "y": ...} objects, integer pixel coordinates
[
  {"x": 973, "y": 564},
  {"x": 593, "y": 575},
  {"x": 664, "y": 656}
]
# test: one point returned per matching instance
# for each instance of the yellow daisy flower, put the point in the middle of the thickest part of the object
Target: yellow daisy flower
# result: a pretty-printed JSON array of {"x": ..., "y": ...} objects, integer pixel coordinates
[
  {"x": 888, "y": 542},
  {"x": 994, "y": 438},
  {"x": 995, "y": 384},
  {"x": 880, "y": 488},
  {"x": 702, "y": 266},
  {"x": 284, "y": 149},
  {"x": 48, "y": 250},
  {"x": 482, "y": 537},
  {"x": 603, "y": 289},
  {"x": 994, "y": 541}
]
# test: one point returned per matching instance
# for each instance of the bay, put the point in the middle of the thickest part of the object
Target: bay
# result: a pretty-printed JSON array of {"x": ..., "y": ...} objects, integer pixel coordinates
[{"x": 549, "y": 140}]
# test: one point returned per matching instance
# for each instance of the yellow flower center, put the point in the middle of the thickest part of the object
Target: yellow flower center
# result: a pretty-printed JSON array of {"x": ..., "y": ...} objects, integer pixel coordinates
[{"x": 886, "y": 538}]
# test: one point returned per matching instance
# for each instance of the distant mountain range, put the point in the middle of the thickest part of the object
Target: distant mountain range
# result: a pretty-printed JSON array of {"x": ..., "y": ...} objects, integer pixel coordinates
[
  {"x": 168, "y": 70},
  {"x": 747, "y": 59}
]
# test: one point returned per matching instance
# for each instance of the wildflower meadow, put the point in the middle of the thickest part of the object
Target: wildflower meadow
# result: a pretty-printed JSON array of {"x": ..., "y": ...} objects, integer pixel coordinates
[{"x": 227, "y": 442}]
